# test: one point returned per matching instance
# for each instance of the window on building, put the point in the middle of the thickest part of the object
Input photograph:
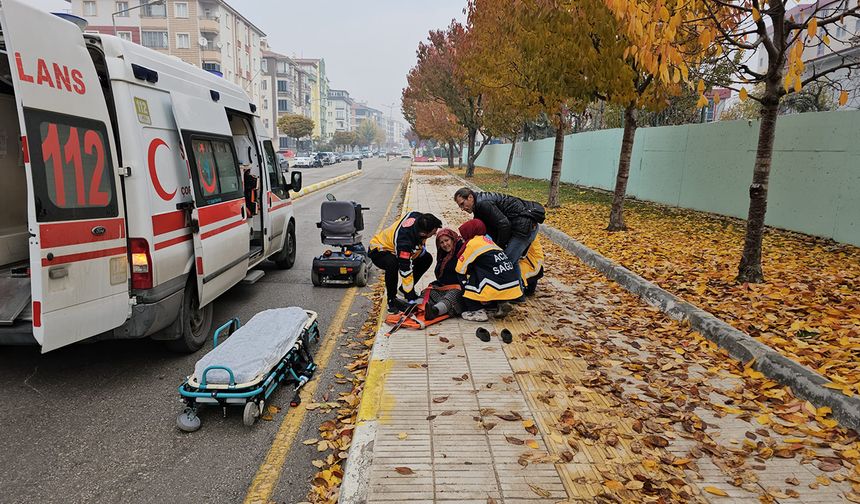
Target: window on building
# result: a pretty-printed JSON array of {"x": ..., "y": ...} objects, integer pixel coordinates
[
  {"x": 154, "y": 10},
  {"x": 89, "y": 8},
  {"x": 183, "y": 41},
  {"x": 125, "y": 35},
  {"x": 283, "y": 143},
  {"x": 154, "y": 39},
  {"x": 180, "y": 9},
  {"x": 212, "y": 67},
  {"x": 283, "y": 86},
  {"x": 266, "y": 123},
  {"x": 263, "y": 85},
  {"x": 121, "y": 8},
  {"x": 283, "y": 105},
  {"x": 265, "y": 103},
  {"x": 264, "y": 65}
]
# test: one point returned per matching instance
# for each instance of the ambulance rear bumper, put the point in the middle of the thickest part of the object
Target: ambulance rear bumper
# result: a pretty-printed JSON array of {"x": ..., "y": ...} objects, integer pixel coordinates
[{"x": 150, "y": 317}]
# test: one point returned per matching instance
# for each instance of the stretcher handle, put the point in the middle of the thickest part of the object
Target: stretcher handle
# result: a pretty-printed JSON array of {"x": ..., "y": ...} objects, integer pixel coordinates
[
  {"x": 230, "y": 326},
  {"x": 210, "y": 368}
]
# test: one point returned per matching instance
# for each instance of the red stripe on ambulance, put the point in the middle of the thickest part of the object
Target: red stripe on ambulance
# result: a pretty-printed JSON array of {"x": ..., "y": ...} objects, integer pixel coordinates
[
  {"x": 168, "y": 222},
  {"x": 221, "y": 229},
  {"x": 83, "y": 256},
  {"x": 62, "y": 234},
  {"x": 173, "y": 241},
  {"x": 221, "y": 211}
]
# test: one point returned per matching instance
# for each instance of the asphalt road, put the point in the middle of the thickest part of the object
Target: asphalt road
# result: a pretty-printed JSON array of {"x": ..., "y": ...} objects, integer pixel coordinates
[
  {"x": 96, "y": 422},
  {"x": 313, "y": 175}
]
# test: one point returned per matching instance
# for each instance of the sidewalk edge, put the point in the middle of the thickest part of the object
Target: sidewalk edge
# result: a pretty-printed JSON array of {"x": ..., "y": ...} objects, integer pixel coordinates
[
  {"x": 803, "y": 381},
  {"x": 356, "y": 482}
]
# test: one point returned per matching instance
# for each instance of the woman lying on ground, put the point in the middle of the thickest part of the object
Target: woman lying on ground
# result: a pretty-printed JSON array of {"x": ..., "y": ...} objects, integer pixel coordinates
[
  {"x": 446, "y": 293},
  {"x": 489, "y": 277}
]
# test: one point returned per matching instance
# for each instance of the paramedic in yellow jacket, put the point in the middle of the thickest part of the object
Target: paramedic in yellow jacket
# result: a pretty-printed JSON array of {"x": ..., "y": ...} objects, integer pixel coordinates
[
  {"x": 489, "y": 277},
  {"x": 531, "y": 267},
  {"x": 399, "y": 251}
]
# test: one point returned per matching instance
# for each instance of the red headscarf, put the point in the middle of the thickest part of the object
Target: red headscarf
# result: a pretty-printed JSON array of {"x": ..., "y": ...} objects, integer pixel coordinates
[
  {"x": 472, "y": 228},
  {"x": 450, "y": 233}
]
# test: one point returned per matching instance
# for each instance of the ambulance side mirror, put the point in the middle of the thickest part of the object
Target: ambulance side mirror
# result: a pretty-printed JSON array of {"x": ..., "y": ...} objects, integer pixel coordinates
[{"x": 296, "y": 181}]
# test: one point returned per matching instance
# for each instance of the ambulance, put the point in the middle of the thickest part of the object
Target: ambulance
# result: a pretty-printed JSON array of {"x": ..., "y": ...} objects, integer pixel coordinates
[{"x": 136, "y": 188}]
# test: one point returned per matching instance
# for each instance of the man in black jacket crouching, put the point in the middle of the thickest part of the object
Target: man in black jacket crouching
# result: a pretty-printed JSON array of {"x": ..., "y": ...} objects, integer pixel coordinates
[{"x": 511, "y": 221}]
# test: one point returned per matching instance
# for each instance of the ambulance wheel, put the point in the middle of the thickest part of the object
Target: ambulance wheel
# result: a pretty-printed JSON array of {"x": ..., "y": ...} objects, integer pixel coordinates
[
  {"x": 249, "y": 416},
  {"x": 188, "y": 421},
  {"x": 195, "y": 321},
  {"x": 286, "y": 258},
  {"x": 361, "y": 275},
  {"x": 315, "y": 278}
]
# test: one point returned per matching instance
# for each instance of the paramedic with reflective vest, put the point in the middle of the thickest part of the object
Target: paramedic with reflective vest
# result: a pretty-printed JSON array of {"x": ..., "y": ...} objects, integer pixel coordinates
[{"x": 399, "y": 251}]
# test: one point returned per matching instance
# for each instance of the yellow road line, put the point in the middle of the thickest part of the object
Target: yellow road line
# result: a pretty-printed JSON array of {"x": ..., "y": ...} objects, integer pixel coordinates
[{"x": 269, "y": 472}]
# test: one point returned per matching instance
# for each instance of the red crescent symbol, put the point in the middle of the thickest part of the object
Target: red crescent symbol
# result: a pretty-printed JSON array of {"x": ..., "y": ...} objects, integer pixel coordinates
[{"x": 153, "y": 174}]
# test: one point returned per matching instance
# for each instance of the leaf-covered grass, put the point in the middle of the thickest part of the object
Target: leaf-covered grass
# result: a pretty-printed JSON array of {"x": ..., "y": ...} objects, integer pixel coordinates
[{"x": 809, "y": 307}]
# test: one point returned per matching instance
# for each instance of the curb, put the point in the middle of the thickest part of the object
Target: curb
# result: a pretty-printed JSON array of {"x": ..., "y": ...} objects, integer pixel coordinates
[
  {"x": 803, "y": 381},
  {"x": 321, "y": 185},
  {"x": 355, "y": 484}
]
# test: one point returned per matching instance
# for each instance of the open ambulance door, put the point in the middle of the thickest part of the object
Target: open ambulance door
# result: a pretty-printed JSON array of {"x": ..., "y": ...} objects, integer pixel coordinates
[
  {"x": 78, "y": 254},
  {"x": 221, "y": 233}
]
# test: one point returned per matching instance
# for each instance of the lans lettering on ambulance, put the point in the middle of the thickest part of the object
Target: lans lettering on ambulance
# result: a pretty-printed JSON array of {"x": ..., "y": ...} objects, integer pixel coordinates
[{"x": 142, "y": 188}]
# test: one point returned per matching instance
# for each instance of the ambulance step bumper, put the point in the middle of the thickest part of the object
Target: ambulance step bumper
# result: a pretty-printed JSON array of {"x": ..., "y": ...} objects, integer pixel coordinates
[{"x": 253, "y": 276}]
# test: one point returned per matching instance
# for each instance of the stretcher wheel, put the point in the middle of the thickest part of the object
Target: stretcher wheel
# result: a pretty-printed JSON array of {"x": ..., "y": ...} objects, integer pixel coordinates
[
  {"x": 315, "y": 278},
  {"x": 361, "y": 275},
  {"x": 188, "y": 421},
  {"x": 252, "y": 411}
]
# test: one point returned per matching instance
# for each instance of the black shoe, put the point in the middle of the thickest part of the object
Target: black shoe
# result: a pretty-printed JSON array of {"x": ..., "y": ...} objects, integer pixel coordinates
[
  {"x": 483, "y": 334},
  {"x": 397, "y": 305},
  {"x": 506, "y": 335},
  {"x": 430, "y": 312},
  {"x": 521, "y": 299}
]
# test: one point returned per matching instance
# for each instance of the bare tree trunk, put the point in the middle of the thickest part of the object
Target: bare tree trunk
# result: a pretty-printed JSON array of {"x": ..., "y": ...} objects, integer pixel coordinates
[
  {"x": 450, "y": 153},
  {"x": 470, "y": 158},
  {"x": 510, "y": 162},
  {"x": 555, "y": 177},
  {"x": 460, "y": 155},
  {"x": 749, "y": 269},
  {"x": 616, "y": 215}
]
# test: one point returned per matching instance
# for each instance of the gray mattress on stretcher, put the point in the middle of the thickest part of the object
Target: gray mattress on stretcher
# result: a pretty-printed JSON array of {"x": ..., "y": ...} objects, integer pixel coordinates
[{"x": 255, "y": 348}]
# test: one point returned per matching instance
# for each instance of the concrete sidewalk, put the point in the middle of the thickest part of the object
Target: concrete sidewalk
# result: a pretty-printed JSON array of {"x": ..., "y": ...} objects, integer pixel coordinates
[{"x": 588, "y": 404}]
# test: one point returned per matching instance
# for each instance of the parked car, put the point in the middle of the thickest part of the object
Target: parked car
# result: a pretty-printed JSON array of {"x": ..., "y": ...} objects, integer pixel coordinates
[
  {"x": 405, "y": 155},
  {"x": 307, "y": 160},
  {"x": 381, "y": 154},
  {"x": 283, "y": 163},
  {"x": 327, "y": 158}
]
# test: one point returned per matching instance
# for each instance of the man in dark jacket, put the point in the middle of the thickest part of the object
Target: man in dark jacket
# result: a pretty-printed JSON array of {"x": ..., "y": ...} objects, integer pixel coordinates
[{"x": 511, "y": 221}]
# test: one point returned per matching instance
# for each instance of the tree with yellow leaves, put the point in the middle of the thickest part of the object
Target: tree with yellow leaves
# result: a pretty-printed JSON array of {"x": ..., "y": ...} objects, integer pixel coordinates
[
  {"x": 542, "y": 56},
  {"x": 430, "y": 119},
  {"x": 739, "y": 32}
]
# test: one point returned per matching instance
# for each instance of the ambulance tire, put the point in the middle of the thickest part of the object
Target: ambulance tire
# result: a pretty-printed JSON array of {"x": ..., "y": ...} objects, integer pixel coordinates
[
  {"x": 195, "y": 322},
  {"x": 286, "y": 258}
]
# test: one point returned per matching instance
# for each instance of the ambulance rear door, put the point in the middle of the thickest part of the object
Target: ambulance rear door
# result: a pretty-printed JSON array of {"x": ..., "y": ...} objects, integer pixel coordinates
[
  {"x": 78, "y": 254},
  {"x": 221, "y": 233}
]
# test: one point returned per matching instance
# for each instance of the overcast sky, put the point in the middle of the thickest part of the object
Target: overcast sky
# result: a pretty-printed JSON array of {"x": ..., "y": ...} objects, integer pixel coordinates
[{"x": 368, "y": 46}]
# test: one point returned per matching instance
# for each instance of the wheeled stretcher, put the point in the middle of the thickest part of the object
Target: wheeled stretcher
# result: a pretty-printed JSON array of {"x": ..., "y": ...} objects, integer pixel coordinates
[{"x": 246, "y": 368}]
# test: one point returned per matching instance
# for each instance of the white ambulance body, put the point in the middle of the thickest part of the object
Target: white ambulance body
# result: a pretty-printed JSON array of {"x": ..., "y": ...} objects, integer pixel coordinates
[{"x": 124, "y": 212}]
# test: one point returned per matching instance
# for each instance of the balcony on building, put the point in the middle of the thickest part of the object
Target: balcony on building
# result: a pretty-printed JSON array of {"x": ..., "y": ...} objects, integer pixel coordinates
[
  {"x": 211, "y": 50},
  {"x": 209, "y": 23}
]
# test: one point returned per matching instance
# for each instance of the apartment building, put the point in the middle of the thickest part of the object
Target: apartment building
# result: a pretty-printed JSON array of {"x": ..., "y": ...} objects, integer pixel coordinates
[
  {"x": 842, "y": 45},
  {"x": 285, "y": 90},
  {"x": 318, "y": 82},
  {"x": 206, "y": 33},
  {"x": 340, "y": 106}
]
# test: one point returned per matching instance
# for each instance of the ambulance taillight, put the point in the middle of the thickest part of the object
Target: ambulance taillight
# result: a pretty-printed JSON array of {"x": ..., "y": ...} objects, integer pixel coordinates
[{"x": 141, "y": 264}]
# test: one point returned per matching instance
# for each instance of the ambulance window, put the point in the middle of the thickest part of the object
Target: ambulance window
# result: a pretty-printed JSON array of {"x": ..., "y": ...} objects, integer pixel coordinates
[
  {"x": 217, "y": 173},
  {"x": 73, "y": 173},
  {"x": 276, "y": 177}
]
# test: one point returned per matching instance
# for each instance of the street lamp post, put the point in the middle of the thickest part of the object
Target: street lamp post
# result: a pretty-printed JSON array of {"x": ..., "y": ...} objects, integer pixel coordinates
[{"x": 142, "y": 4}]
